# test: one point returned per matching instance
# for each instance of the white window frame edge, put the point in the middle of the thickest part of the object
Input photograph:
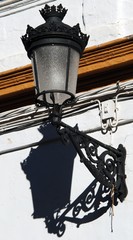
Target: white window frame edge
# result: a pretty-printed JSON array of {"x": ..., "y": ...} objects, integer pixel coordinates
[{"x": 12, "y": 7}]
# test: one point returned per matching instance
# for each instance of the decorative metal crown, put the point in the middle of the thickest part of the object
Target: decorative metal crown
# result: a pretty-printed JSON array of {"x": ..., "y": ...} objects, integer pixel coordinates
[
  {"x": 53, "y": 11},
  {"x": 54, "y": 27}
]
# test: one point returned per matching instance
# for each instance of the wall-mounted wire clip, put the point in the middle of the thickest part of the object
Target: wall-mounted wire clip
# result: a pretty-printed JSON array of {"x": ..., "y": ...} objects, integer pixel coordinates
[{"x": 108, "y": 114}]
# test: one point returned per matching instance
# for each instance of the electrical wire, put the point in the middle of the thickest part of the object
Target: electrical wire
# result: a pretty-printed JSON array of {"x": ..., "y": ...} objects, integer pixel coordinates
[
  {"x": 29, "y": 116},
  {"x": 34, "y": 144}
]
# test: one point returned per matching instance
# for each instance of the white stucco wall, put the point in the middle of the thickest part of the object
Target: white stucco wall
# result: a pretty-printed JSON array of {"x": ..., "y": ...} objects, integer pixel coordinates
[
  {"x": 16, "y": 205},
  {"x": 103, "y": 20}
]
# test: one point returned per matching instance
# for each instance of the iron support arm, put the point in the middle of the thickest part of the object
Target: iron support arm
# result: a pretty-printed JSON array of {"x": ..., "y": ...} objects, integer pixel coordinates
[{"x": 106, "y": 163}]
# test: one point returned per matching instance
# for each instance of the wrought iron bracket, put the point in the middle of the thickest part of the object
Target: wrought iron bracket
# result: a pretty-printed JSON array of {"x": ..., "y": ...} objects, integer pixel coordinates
[{"x": 105, "y": 163}]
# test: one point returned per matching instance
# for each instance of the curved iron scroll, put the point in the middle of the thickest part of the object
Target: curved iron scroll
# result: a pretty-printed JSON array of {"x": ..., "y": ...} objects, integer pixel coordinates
[
  {"x": 105, "y": 163},
  {"x": 92, "y": 203}
]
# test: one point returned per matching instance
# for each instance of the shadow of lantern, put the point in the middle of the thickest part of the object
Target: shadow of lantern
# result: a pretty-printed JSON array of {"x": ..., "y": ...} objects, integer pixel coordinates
[{"x": 49, "y": 169}]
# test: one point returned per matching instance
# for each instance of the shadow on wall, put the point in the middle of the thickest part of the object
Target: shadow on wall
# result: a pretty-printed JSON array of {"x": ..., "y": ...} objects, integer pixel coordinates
[{"x": 49, "y": 169}]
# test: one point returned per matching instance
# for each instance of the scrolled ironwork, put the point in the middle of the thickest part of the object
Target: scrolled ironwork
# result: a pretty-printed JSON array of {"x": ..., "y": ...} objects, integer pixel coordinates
[
  {"x": 105, "y": 163},
  {"x": 92, "y": 203},
  {"x": 76, "y": 210}
]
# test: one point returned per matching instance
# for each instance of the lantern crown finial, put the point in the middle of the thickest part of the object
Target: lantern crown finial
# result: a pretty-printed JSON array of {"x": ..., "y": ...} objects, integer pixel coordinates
[
  {"x": 54, "y": 31},
  {"x": 53, "y": 11}
]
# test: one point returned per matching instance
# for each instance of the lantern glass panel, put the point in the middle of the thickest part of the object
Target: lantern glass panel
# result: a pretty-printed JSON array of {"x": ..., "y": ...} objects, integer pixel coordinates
[{"x": 55, "y": 70}]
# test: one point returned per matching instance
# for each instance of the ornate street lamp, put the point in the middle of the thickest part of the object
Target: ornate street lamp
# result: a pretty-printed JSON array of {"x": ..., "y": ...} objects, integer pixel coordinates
[{"x": 55, "y": 49}]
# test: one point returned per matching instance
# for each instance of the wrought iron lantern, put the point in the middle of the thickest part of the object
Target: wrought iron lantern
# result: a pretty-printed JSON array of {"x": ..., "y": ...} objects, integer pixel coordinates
[{"x": 55, "y": 49}]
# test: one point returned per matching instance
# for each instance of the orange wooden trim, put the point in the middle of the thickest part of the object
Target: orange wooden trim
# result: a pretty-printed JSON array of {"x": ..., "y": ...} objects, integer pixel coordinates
[
  {"x": 107, "y": 56},
  {"x": 16, "y": 80}
]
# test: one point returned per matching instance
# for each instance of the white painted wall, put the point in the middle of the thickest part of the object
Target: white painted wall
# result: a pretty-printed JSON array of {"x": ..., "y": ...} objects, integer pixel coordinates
[
  {"x": 16, "y": 206},
  {"x": 103, "y": 20}
]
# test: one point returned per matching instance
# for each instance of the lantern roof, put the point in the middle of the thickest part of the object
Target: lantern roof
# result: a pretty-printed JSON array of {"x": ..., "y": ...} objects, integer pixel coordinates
[{"x": 53, "y": 29}]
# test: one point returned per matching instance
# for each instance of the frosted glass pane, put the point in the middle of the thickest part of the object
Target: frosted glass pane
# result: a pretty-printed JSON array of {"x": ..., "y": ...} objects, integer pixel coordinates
[{"x": 55, "y": 68}]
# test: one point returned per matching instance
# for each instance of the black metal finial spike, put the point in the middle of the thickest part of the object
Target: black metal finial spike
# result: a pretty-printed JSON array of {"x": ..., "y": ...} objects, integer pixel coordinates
[{"x": 53, "y": 11}]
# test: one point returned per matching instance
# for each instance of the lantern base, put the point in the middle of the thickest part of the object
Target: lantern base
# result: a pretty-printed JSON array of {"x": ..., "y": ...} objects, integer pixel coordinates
[{"x": 54, "y": 97}]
